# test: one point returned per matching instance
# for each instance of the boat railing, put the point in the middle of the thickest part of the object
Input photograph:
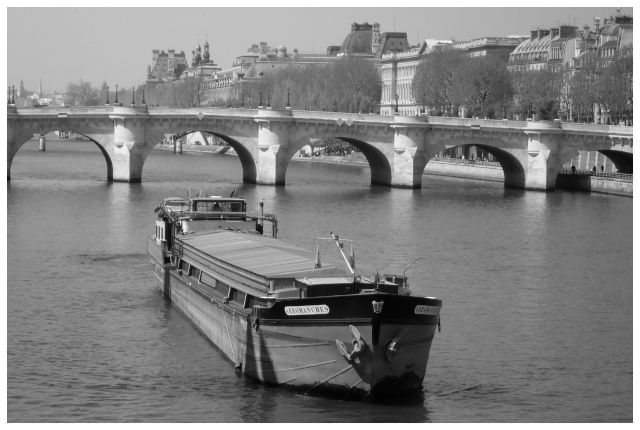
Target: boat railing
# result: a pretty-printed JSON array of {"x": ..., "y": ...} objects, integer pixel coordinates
[{"x": 196, "y": 215}]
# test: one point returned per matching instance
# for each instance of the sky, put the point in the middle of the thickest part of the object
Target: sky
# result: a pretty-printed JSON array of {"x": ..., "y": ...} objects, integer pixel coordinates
[{"x": 113, "y": 44}]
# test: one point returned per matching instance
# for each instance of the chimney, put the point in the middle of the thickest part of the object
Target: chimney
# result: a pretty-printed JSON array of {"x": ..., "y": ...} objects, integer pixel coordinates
[
  {"x": 375, "y": 38},
  {"x": 596, "y": 24},
  {"x": 534, "y": 34},
  {"x": 567, "y": 31},
  {"x": 555, "y": 32}
]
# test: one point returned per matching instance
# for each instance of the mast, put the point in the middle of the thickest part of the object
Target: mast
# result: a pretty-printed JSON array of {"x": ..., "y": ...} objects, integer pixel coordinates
[{"x": 336, "y": 239}]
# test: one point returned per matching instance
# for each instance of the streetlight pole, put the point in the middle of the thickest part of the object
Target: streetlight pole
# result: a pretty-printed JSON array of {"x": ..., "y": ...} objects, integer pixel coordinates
[
  {"x": 107, "y": 102},
  {"x": 133, "y": 96},
  {"x": 116, "y": 102},
  {"x": 144, "y": 103}
]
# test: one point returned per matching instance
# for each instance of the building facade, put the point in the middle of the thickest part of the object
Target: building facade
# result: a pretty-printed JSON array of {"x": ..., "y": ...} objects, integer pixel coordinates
[
  {"x": 165, "y": 64},
  {"x": 398, "y": 69},
  {"x": 566, "y": 47},
  {"x": 363, "y": 41}
]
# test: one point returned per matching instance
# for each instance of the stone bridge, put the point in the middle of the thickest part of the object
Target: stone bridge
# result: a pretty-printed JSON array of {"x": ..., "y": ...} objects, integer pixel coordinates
[{"x": 396, "y": 147}]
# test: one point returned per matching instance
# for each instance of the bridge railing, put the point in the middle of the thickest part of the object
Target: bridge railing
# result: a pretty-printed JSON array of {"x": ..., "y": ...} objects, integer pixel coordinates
[
  {"x": 625, "y": 177},
  {"x": 476, "y": 121},
  {"x": 204, "y": 109},
  {"x": 617, "y": 129},
  {"x": 67, "y": 110},
  {"x": 341, "y": 115}
]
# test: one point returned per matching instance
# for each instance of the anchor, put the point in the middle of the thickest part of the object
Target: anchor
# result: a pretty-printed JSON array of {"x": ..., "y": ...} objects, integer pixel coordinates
[
  {"x": 393, "y": 347},
  {"x": 358, "y": 346}
]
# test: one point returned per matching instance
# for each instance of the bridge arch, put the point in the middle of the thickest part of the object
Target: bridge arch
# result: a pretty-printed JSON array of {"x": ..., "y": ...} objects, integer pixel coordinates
[
  {"x": 246, "y": 159},
  {"x": 381, "y": 169},
  {"x": 249, "y": 171},
  {"x": 26, "y": 135},
  {"x": 508, "y": 154},
  {"x": 622, "y": 160}
]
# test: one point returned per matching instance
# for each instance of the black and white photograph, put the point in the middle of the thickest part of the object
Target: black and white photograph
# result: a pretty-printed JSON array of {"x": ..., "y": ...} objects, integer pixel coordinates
[{"x": 318, "y": 213}]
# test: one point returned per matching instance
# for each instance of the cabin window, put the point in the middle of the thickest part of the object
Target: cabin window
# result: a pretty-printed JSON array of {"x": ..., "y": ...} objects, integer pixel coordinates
[
  {"x": 240, "y": 297},
  {"x": 208, "y": 280},
  {"x": 235, "y": 207},
  {"x": 185, "y": 267},
  {"x": 247, "y": 301},
  {"x": 160, "y": 228}
]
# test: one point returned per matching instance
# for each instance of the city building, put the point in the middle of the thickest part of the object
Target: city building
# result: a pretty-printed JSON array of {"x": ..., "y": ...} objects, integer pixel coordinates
[
  {"x": 398, "y": 69},
  {"x": 166, "y": 66},
  {"x": 566, "y": 46},
  {"x": 260, "y": 60}
]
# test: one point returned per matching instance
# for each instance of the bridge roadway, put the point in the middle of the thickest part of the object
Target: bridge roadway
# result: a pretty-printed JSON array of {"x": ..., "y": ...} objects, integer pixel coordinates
[{"x": 396, "y": 147}]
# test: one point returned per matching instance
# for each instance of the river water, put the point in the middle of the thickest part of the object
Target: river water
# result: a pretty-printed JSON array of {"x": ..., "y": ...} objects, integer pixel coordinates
[{"x": 536, "y": 288}]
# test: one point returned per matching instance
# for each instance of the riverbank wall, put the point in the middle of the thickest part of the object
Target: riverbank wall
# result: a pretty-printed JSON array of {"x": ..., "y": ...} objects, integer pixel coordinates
[
  {"x": 594, "y": 184},
  {"x": 466, "y": 169},
  {"x": 209, "y": 149}
]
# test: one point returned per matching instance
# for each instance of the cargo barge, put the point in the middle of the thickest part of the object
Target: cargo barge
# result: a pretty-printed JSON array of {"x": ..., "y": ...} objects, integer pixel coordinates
[{"x": 280, "y": 315}]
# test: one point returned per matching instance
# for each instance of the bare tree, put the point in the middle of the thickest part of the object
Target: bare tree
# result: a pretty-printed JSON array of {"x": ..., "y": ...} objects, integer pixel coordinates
[
  {"x": 615, "y": 86},
  {"x": 483, "y": 84},
  {"x": 436, "y": 77},
  {"x": 82, "y": 94}
]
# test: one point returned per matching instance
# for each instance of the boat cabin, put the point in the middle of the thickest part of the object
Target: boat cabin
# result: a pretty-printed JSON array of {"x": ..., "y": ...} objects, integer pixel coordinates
[
  {"x": 215, "y": 204},
  {"x": 176, "y": 204}
]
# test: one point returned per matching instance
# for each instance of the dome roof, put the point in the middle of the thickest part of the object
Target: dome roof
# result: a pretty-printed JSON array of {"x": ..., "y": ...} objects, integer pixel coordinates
[
  {"x": 282, "y": 48},
  {"x": 358, "y": 41}
]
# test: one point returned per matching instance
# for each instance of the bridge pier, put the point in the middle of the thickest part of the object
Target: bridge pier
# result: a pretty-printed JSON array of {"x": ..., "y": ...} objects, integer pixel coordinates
[
  {"x": 273, "y": 146},
  {"x": 129, "y": 148},
  {"x": 542, "y": 157},
  {"x": 41, "y": 146},
  {"x": 409, "y": 158}
]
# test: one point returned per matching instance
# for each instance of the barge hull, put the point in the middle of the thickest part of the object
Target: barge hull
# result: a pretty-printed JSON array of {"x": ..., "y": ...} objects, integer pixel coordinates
[{"x": 304, "y": 357}]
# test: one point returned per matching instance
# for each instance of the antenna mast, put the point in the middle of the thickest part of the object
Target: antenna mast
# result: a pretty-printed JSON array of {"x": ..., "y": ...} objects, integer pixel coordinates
[{"x": 337, "y": 240}]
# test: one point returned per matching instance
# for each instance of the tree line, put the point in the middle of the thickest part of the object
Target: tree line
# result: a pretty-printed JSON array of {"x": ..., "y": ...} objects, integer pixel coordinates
[
  {"x": 450, "y": 83},
  {"x": 446, "y": 82},
  {"x": 348, "y": 85}
]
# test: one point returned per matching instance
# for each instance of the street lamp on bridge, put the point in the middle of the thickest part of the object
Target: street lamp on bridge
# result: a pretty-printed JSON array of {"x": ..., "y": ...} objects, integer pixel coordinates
[
  {"x": 116, "y": 102},
  {"x": 133, "y": 96},
  {"x": 144, "y": 103},
  {"x": 107, "y": 102}
]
